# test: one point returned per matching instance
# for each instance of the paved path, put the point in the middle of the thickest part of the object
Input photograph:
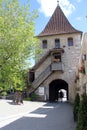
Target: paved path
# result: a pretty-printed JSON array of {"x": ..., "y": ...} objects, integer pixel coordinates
[
  {"x": 45, "y": 116},
  {"x": 10, "y": 112}
]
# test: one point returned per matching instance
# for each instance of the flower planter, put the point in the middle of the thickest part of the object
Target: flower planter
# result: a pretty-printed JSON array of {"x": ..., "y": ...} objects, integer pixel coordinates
[{"x": 82, "y": 70}]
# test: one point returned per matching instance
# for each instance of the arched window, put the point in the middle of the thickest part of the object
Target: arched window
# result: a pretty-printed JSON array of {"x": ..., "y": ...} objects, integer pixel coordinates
[
  {"x": 70, "y": 41},
  {"x": 44, "y": 44},
  {"x": 57, "y": 43}
]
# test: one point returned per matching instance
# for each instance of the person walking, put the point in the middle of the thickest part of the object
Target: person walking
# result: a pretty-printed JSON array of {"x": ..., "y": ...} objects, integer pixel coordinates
[{"x": 61, "y": 95}]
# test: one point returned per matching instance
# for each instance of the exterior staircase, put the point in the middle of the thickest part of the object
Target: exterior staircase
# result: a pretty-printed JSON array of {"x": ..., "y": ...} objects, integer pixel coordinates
[
  {"x": 40, "y": 79},
  {"x": 45, "y": 74}
]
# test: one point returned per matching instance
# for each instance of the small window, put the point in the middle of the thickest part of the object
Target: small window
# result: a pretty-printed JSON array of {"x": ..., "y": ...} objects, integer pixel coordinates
[
  {"x": 57, "y": 43},
  {"x": 70, "y": 41},
  {"x": 44, "y": 42},
  {"x": 84, "y": 57},
  {"x": 57, "y": 57}
]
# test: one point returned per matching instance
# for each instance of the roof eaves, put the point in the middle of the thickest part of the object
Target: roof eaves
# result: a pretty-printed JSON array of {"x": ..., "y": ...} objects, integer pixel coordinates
[{"x": 61, "y": 33}]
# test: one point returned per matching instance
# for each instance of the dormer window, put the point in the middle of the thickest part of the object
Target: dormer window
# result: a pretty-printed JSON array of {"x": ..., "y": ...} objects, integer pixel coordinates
[
  {"x": 57, "y": 43},
  {"x": 44, "y": 44},
  {"x": 70, "y": 41}
]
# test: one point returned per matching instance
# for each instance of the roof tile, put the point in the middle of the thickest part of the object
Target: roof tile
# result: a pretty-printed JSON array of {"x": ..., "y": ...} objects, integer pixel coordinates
[{"x": 58, "y": 24}]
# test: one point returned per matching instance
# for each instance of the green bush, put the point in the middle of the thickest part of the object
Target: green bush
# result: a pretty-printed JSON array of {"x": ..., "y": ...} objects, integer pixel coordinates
[
  {"x": 82, "y": 115},
  {"x": 27, "y": 99},
  {"x": 76, "y": 106},
  {"x": 1, "y": 89},
  {"x": 3, "y": 93},
  {"x": 33, "y": 96}
]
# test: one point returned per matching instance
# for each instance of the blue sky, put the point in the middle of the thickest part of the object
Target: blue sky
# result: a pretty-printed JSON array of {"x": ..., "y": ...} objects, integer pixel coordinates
[{"x": 75, "y": 10}]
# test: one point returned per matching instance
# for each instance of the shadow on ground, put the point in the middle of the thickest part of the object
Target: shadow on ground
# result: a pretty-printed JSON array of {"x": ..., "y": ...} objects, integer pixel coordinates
[{"x": 52, "y": 116}]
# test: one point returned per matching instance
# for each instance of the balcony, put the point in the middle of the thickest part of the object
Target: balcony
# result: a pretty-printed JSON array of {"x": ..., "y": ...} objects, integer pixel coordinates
[{"x": 57, "y": 66}]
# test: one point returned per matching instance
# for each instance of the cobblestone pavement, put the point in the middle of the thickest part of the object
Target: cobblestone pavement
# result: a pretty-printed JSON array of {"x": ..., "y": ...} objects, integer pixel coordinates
[{"x": 49, "y": 116}]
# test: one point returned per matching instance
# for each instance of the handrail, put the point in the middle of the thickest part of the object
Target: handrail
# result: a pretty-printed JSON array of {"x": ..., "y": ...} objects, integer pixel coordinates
[
  {"x": 42, "y": 76},
  {"x": 37, "y": 82}
]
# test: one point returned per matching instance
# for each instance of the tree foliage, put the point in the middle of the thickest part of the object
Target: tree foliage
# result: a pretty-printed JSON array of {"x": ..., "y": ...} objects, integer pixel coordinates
[
  {"x": 17, "y": 41},
  {"x": 76, "y": 106},
  {"x": 82, "y": 116}
]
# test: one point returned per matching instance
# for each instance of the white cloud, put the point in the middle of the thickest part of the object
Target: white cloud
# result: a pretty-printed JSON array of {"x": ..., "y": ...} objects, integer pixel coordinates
[
  {"x": 78, "y": 1},
  {"x": 48, "y": 6},
  {"x": 79, "y": 18}
]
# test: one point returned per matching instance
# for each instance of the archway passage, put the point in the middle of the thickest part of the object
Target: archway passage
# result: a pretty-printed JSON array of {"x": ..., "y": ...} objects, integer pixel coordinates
[{"x": 54, "y": 87}]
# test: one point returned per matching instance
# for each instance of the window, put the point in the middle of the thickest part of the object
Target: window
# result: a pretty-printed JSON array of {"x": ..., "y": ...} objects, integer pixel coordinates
[
  {"x": 57, "y": 57},
  {"x": 44, "y": 42},
  {"x": 57, "y": 43},
  {"x": 84, "y": 57},
  {"x": 70, "y": 41}
]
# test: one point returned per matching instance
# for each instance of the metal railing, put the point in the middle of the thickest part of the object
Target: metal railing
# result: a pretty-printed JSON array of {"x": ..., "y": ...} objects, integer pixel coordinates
[{"x": 57, "y": 66}]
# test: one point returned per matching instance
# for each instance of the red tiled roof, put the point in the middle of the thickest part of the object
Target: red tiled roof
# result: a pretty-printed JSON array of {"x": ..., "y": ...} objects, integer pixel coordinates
[{"x": 58, "y": 24}]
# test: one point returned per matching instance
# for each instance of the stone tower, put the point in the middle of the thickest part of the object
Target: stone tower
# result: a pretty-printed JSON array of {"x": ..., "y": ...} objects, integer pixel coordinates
[{"x": 55, "y": 69}]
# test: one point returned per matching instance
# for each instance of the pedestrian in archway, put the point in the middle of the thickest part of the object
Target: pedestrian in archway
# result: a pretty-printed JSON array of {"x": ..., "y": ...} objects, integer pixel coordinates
[{"x": 61, "y": 95}]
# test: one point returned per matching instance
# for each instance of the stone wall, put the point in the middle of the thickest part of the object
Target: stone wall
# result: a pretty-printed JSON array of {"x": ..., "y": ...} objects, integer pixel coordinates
[
  {"x": 82, "y": 82},
  {"x": 70, "y": 59}
]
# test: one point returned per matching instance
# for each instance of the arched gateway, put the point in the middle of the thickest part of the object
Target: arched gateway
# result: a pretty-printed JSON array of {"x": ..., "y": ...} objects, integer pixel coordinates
[{"x": 55, "y": 86}]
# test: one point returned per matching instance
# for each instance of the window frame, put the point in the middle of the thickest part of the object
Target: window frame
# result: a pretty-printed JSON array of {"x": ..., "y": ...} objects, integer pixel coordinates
[
  {"x": 70, "y": 41},
  {"x": 57, "y": 43},
  {"x": 44, "y": 44}
]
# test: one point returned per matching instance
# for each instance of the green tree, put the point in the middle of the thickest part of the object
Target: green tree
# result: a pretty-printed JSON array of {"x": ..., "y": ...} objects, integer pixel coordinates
[
  {"x": 76, "y": 106},
  {"x": 82, "y": 116},
  {"x": 17, "y": 41}
]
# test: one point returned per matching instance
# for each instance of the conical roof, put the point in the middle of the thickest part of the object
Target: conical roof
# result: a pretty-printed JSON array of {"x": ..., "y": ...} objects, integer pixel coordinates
[{"x": 58, "y": 24}]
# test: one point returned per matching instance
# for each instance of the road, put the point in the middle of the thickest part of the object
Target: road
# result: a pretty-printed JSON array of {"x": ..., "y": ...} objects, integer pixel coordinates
[{"x": 51, "y": 116}]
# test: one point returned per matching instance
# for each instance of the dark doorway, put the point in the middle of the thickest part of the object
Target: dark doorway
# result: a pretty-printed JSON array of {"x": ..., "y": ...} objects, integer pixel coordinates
[{"x": 54, "y": 88}]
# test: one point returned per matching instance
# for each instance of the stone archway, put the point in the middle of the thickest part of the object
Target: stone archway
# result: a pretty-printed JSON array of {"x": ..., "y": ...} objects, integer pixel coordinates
[{"x": 54, "y": 88}]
